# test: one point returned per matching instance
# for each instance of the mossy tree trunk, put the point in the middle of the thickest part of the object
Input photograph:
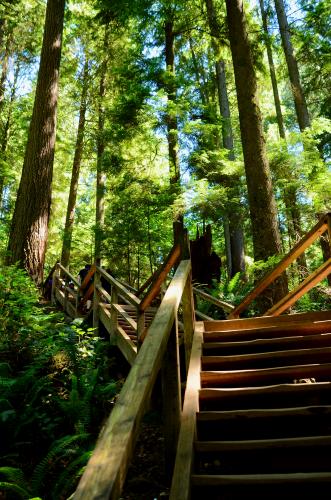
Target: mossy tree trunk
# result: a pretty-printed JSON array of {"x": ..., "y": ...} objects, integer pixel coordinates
[
  {"x": 262, "y": 205},
  {"x": 29, "y": 229}
]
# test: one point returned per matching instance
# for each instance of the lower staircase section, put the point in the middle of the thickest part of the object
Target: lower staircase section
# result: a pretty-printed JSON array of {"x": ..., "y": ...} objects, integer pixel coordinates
[{"x": 256, "y": 420}]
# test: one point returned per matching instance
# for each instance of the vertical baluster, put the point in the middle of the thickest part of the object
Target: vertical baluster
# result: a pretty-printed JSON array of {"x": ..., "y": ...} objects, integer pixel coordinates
[
  {"x": 96, "y": 298},
  {"x": 114, "y": 313},
  {"x": 171, "y": 392},
  {"x": 55, "y": 277}
]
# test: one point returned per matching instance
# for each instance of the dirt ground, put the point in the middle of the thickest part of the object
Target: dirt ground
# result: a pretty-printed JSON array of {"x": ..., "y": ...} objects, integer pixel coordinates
[{"x": 146, "y": 479}]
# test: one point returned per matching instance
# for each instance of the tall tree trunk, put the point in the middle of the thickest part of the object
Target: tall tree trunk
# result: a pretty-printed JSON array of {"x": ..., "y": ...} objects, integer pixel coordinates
[
  {"x": 4, "y": 71},
  {"x": 234, "y": 218},
  {"x": 292, "y": 66},
  {"x": 29, "y": 230},
  {"x": 290, "y": 193},
  {"x": 262, "y": 205},
  {"x": 172, "y": 126},
  {"x": 101, "y": 176},
  {"x": 5, "y": 134},
  {"x": 69, "y": 224},
  {"x": 280, "y": 121}
]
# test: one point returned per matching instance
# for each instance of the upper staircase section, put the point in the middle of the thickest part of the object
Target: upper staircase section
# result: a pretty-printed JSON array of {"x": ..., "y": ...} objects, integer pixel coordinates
[{"x": 256, "y": 418}]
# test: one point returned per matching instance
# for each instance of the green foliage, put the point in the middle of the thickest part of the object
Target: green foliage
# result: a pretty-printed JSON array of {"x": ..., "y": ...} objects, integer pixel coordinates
[{"x": 55, "y": 384}]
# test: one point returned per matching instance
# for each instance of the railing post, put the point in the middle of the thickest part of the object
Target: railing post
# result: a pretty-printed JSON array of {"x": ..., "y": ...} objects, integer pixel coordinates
[
  {"x": 114, "y": 313},
  {"x": 96, "y": 298},
  {"x": 66, "y": 293},
  {"x": 188, "y": 318},
  {"x": 171, "y": 392},
  {"x": 55, "y": 276},
  {"x": 140, "y": 325}
]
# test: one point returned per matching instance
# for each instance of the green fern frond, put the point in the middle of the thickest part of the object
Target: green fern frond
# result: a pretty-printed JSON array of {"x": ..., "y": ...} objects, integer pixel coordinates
[
  {"x": 59, "y": 449},
  {"x": 14, "y": 475},
  {"x": 69, "y": 476},
  {"x": 4, "y": 486}
]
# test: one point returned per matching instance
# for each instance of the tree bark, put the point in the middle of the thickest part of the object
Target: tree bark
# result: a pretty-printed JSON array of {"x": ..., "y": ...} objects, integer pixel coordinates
[
  {"x": 101, "y": 176},
  {"x": 4, "y": 71},
  {"x": 172, "y": 126},
  {"x": 5, "y": 134},
  {"x": 280, "y": 121},
  {"x": 235, "y": 230},
  {"x": 262, "y": 205},
  {"x": 69, "y": 224},
  {"x": 29, "y": 230},
  {"x": 292, "y": 66}
]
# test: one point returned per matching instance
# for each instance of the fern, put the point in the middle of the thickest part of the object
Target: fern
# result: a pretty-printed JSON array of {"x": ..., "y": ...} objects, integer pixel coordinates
[
  {"x": 4, "y": 486},
  {"x": 69, "y": 476},
  {"x": 14, "y": 475},
  {"x": 60, "y": 448}
]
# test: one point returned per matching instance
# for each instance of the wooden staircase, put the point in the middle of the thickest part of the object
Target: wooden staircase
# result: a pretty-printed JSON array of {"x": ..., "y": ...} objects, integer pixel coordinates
[{"x": 256, "y": 420}]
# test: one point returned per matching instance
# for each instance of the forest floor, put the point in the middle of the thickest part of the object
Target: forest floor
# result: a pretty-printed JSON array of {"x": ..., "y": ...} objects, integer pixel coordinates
[{"x": 146, "y": 479}]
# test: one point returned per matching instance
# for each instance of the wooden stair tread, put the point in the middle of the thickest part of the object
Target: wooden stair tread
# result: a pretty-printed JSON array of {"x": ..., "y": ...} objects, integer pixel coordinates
[
  {"x": 257, "y": 413},
  {"x": 263, "y": 376},
  {"x": 263, "y": 444},
  {"x": 247, "y": 479},
  {"x": 265, "y": 321},
  {"x": 268, "y": 358},
  {"x": 282, "y": 330},
  {"x": 261, "y": 345}
]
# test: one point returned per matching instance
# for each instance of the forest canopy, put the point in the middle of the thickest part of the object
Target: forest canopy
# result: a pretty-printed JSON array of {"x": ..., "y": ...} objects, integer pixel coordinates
[{"x": 119, "y": 117}]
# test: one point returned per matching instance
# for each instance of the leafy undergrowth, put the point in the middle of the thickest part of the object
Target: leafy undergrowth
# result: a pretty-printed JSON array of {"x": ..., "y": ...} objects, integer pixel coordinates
[{"x": 58, "y": 382}]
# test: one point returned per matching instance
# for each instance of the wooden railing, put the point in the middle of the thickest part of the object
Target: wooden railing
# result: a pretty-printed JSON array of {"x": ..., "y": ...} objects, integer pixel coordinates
[
  {"x": 66, "y": 289},
  {"x": 106, "y": 470},
  {"x": 224, "y": 306},
  {"x": 312, "y": 280}
]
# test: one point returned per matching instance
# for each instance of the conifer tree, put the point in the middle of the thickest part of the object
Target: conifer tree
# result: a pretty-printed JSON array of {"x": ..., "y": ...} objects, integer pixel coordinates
[{"x": 29, "y": 229}]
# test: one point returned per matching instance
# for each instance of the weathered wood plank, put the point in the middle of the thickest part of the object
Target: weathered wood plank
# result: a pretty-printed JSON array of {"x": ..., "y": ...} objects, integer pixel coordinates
[
  {"x": 263, "y": 444},
  {"x": 67, "y": 273},
  {"x": 126, "y": 316},
  {"x": 257, "y": 414},
  {"x": 269, "y": 321},
  {"x": 88, "y": 277},
  {"x": 273, "y": 358},
  {"x": 203, "y": 316},
  {"x": 310, "y": 282},
  {"x": 171, "y": 396},
  {"x": 298, "y": 478},
  {"x": 296, "y": 251},
  {"x": 180, "y": 488},
  {"x": 273, "y": 344},
  {"x": 264, "y": 376},
  {"x": 126, "y": 345},
  {"x": 220, "y": 303},
  {"x": 130, "y": 297},
  {"x": 105, "y": 472},
  {"x": 156, "y": 287}
]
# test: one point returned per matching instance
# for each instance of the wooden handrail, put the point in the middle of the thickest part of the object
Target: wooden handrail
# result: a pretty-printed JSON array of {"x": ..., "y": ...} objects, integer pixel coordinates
[
  {"x": 105, "y": 472},
  {"x": 67, "y": 273},
  {"x": 217, "y": 302},
  {"x": 322, "y": 226},
  {"x": 163, "y": 273},
  {"x": 130, "y": 297},
  {"x": 304, "y": 287}
]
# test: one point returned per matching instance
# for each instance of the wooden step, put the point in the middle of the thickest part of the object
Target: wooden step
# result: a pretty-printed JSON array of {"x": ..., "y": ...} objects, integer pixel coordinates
[
  {"x": 264, "y": 456},
  {"x": 267, "y": 359},
  {"x": 272, "y": 331},
  {"x": 264, "y": 423},
  {"x": 303, "y": 486},
  {"x": 266, "y": 345},
  {"x": 258, "y": 322},
  {"x": 272, "y": 396},
  {"x": 265, "y": 376}
]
